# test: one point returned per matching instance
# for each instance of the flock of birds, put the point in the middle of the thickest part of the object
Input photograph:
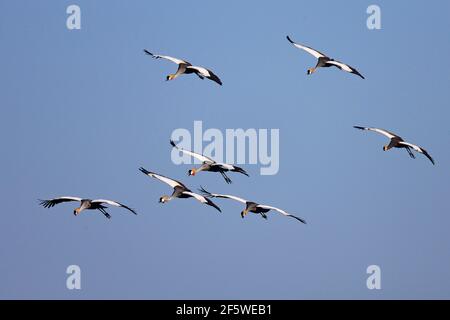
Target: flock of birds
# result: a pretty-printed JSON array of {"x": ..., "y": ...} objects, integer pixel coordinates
[{"x": 208, "y": 164}]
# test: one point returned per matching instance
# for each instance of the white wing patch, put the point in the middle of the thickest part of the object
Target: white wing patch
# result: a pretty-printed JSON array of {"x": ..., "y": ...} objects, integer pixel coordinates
[
  {"x": 200, "y": 198},
  {"x": 311, "y": 51},
  {"x": 169, "y": 181},
  {"x": 172, "y": 59},
  {"x": 225, "y": 166},
  {"x": 110, "y": 202},
  {"x": 276, "y": 209},
  {"x": 282, "y": 212},
  {"x": 417, "y": 148},
  {"x": 67, "y": 198},
  {"x": 203, "y": 71},
  {"x": 215, "y": 195},
  {"x": 383, "y": 132},
  {"x": 341, "y": 65},
  {"x": 200, "y": 157}
]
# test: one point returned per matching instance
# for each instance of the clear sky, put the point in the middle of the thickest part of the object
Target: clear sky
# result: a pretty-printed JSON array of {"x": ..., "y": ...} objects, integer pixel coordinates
[{"x": 82, "y": 110}]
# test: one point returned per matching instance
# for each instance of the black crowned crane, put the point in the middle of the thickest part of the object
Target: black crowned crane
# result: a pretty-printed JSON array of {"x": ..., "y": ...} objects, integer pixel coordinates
[
  {"x": 323, "y": 61},
  {"x": 209, "y": 164},
  {"x": 398, "y": 142},
  {"x": 251, "y": 206},
  {"x": 185, "y": 67},
  {"x": 85, "y": 204},
  {"x": 179, "y": 190}
]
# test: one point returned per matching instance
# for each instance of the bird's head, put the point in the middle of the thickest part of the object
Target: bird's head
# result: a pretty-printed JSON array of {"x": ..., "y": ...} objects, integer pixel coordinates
[
  {"x": 385, "y": 148},
  {"x": 76, "y": 211},
  {"x": 192, "y": 172},
  {"x": 310, "y": 71},
  {"x": 164, "y": 199},
  {"x": 170, "y": 77},
  {"x": 244, "y": 213}
]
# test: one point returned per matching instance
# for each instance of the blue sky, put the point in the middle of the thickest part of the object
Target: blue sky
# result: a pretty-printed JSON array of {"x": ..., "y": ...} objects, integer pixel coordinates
[{"x": 82, "y": 110}]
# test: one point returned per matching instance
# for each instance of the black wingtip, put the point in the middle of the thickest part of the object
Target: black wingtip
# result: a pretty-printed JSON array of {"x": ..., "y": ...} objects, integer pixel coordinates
[
  {"x": 358, "y": 127},
  {"x": 148, "y": 52},
  {"x": 289, "y": 39},
  {"x": 215, "y": 78},
  {"x": 45, "y": 203},
  {"x": 129, "y": 209},
  {"x": 204, "y": 192},
  {"x": 240, "y": 170},
  {"x": 212, "y": 204},
  {"x": 143, "y": 170},
  {"x": 299, "y": 219},
  {"x": 172, "y": 143}
]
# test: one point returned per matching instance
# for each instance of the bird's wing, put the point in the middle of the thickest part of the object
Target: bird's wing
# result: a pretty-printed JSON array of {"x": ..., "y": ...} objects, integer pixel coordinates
[
  {"x": 174, "y": 60},
  {"x": 418, "y": 149},
  {"x": 53, "y": 202},
  {"x": 198, "y": 156},
  {"x": 203, "y": 72},
  {"x": 282, "y": 212},
  {"x": 171, "y": 182},
  {"x": 225, "y": 166},
  {"x": 386, "y": 133},
  {"x": 202, "y": 199},
  {"x": 113, "y": 203},
  {"x": 345, "y": 67},
  {"x": 311, "y": 51},
  {"x": 216, "y": 195}
]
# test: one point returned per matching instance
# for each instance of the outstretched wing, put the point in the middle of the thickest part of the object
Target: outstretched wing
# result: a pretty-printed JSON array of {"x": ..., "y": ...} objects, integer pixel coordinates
[
  {"x": 386, "y": 133},
  {"x": 171, "y": 182},
  {"x": 315, "y": 53},
  {"x": 174, "y": 60},
  {"x": 198, "y": 156},
  {"x": 113, "y": 203},
  {"x": 203, "y": 72},
  {"x": 216, "y": 195},
  {"x": 202, "y": 199},
  {"x": 282, "y": 212},
  {"x": 52, "y": 202},
  {"x": 345, "y": 67},
  {"x": 418, "y": 149}
]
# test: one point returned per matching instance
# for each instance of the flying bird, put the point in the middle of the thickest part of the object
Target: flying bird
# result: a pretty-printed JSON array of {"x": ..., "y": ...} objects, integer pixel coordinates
[
  {"x": 86, "y": 204},
  {"x": 179, "y": 190},
  {"x": 209, "y": 164},
  {"x": 398, "y": 142},
  {"x": 250, "y": 206},
  {"x": 324, "y": 61},
  {"x": 185, "y": 67}
]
